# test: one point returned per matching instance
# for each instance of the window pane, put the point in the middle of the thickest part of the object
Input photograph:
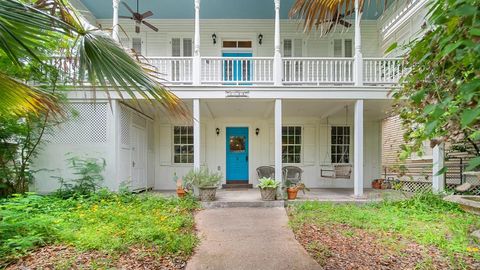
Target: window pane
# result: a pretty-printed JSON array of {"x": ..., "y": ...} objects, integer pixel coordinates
[
  {"x": 229, "y": 44},
  {"x": 176, "y": 139},
  {"x": 348, "y": 48},
  {"x": 187, "y": 47},
  {"x": 244, "y": 44},
  {"x": 287, "y": 48},
  {"x": 176, "y": 47},
  {"x": 291, "y": 139},
  {"x": 237, "y": 143},
  {"x": 297, "y": 159}
]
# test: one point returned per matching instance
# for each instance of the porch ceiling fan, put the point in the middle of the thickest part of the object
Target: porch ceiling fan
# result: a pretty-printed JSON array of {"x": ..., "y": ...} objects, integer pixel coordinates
[{"x": 139, "y": 18}]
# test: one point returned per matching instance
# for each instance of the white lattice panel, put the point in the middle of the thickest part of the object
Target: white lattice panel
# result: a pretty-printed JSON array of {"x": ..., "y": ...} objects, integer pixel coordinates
[
  {"x": 125, "y": 115},
  {"x": 416, "y": 186},
  {"x": 87, "y": 123}
]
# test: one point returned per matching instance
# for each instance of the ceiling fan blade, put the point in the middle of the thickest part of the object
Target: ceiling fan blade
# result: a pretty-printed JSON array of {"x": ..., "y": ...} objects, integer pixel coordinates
[
  {"x": 147, "y": 14},
  {"x": 126, "y": 17},
  {"x": 151, "y": 26},
  {"x": 344, "y": 23},
  {"x": 129, "y": 9}
]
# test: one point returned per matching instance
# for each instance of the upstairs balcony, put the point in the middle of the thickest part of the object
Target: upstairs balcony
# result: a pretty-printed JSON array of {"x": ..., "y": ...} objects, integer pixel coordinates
[{"x": 248, "y": 71}]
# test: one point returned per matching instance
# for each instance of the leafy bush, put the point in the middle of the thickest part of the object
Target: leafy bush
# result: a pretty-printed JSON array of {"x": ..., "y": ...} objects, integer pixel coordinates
[
  {"x": 104, "y": 221},
  {"x": 425, "y": 218},
  {"x": 203, "y": 178},
  {"x": 89, "y": 176},
  {"x": 268, "y": 183}
]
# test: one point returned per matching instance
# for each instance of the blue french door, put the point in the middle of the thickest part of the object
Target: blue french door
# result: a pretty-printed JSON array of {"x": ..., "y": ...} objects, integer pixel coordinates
[
  {"x": 237, "y": 71},
  {"x": 237, "y": 154}
]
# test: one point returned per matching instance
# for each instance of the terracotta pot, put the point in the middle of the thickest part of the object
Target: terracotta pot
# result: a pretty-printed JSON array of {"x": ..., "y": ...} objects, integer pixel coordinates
[
  {"x": 292, "y": 193},
  {"x": 377, "y": 183},
  {"x": 180, "y": 192}
]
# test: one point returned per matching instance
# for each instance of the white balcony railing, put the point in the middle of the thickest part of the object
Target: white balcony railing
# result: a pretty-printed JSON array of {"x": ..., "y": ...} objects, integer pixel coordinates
[
  {"x": 259, "y": 70},
  {"x": 175, "y": 70},
  {"x": 382, "y": 70},
  {"x": 237, "y": 70},
  {"x": 318, "y": 71}
]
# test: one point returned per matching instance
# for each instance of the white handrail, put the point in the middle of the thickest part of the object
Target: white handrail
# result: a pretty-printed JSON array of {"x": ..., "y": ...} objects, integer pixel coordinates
[{"x": 237, "y": 70}]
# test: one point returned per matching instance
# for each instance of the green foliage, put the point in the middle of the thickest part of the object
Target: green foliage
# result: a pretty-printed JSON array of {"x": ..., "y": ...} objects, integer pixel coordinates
[
  {"x": 88, "y": 172},
  {"x": 440, "y": 97},
  {"x": 268, "y": 183},
  {"x": 203, "y": 178},
  {"x": 424, "y": 218},
  {"x": 103, "y": 221}
]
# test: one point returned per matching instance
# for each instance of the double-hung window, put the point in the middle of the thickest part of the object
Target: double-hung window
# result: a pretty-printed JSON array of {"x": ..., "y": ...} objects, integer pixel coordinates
[
  {"x": 181, "y": 47},
  {"x": 183, "y": 144},
  {"x": 291, "y": 144},
  {"x": 340, "y": 144}
]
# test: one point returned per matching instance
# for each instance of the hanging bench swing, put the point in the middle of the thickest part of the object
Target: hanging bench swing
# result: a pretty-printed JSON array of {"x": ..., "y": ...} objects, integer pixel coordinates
[{"x": 336, "y": 171}]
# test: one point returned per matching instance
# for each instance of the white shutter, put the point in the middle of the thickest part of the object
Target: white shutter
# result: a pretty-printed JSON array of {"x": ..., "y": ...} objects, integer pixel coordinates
[
  {"x": 137, "y": 45},
  {"x": 176, "y": 47},
  {"x": 348, "y": 48},
  {"x": 187, "y": 47},
  {"x": 165, "y": 144},
  {"x": 337, "y": 48},
  {"x": 298, "y": 48},
  {"x": 309, "y": 148},
  {"x": 287, "y": 48}
]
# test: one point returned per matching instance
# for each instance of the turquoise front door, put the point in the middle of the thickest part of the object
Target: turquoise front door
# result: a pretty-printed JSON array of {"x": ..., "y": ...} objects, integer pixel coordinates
[
  {"x": 237, "y": 71},
  {"x": 237, "y": 154}
]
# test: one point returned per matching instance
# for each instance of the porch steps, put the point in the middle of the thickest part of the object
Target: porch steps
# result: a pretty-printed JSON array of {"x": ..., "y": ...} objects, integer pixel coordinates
[
  {"x": 235, "y": 204},
  {"x": 229, "y": 186}
]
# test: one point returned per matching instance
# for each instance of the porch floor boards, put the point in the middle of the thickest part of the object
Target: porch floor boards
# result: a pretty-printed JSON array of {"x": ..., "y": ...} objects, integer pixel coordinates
[{"x": 251, "y": 197}]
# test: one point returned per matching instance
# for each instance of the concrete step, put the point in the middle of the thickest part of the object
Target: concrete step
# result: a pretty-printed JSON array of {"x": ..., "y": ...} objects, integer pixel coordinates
[
  {"x": 234, "y": 204},
  {"x": 237, "y": 186}
]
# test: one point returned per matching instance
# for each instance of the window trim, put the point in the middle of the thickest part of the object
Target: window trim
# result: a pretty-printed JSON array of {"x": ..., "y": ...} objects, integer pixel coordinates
[
  {"x": 301, "y": 144},
  {"x": 349, "y": 144},
  {"x": 181, "y": 144}
]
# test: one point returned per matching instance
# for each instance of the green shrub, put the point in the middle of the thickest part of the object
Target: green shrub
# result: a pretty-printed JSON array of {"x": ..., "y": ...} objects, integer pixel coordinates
[
  {"x": 268, "y": 183},
  {"x": 103, "y": 221},
  {"x": 202, "y": 178}
]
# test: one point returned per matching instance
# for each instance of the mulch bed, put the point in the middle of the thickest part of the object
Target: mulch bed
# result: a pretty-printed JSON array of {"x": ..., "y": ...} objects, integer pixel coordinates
[
  {"x": 65, "y": 257},
  {"x": 344, "y": 247}
]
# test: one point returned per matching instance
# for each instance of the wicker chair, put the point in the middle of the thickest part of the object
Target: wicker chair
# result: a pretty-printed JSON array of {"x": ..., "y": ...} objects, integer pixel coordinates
[
  {"x": 292, "y": 174},
  {"x": 266, "y": 171}
]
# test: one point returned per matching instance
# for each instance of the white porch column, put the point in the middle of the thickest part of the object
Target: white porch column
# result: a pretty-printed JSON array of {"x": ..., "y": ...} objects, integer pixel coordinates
[
  {"x": 115, "y": 20},
  {"x": 438, "y": 181},
  {"x": 358, "y": 75},
  {"x": 196, "y": 134},
  {"x": 277, "y": 57},
  {"x": 196, "y": 46},
  {"x": 358, "y": 149},
  {"x": 278, "y": 140}
]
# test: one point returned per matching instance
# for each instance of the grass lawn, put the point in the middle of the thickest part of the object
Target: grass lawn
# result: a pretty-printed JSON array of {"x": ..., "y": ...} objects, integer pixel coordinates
[
  {"x": 97, "y": 232},
  {"x": 423, "y": 232}
]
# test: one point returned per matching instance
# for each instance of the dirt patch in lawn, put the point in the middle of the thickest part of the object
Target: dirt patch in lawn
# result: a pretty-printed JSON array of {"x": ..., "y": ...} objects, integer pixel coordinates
[
  {"x": 65, "y": 257},
  {"x": 344, "y": 247}
]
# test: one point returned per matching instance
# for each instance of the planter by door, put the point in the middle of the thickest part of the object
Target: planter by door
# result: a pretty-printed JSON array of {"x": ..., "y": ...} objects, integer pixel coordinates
[
  {"x": 237, "y": 154},
  {"x": 207, "y": 194},
  {"x": 268, "y": 194}
]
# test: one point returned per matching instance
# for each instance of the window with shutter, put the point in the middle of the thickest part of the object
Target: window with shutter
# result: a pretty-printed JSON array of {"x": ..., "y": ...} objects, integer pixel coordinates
[
  {"x": 287, "y": 48},
  {"x": 187, "y": 47},
  {"x": 348, "y": 48},
  {"x": 337, "y": 48},
  {"x": 137, "y": 45},
  {"x": 176, "y": 47},
  {"x": 297, "y": 48}
]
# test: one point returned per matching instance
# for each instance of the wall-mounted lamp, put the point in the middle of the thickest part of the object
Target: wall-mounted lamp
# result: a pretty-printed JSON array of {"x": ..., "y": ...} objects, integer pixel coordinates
[
  {"x": 217, "y": 130},
  {"x": 260, "y": 38},
  {"x": 257, "y": 131},
  {"x": 214, "y": 38}
]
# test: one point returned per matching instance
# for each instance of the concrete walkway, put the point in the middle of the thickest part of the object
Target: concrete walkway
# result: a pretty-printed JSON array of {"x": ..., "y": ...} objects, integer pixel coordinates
[{"x": 247, "y": 238}]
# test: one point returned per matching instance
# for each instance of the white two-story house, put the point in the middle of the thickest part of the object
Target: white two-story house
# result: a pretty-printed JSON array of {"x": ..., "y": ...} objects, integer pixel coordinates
[{"x": 261, "y": 91}]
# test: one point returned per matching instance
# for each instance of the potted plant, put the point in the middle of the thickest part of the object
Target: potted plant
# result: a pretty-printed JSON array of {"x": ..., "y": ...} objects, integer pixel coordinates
[
  {"x": 181, "y": 190},
  {"x": 206, "y": 181},
  {"x": 293, "y": 188},
  {"x": 268, "y": 188}
]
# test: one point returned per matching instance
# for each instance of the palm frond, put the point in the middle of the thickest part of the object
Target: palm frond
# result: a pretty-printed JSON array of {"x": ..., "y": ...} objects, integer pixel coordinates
[
  {"x": 19, "y": 98},
  {"x": 325, "y": 14}
]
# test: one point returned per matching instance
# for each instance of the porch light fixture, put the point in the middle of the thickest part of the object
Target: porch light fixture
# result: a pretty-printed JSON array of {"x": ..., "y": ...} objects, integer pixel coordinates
[
  {"x": 257, "y": 131},
  {"x": 217, "y": 130},
  {"x": 260, "y": 38},
  {"x": 214, "y": 38}
]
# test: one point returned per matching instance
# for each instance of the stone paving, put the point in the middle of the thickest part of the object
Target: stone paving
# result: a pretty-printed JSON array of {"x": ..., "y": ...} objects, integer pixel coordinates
[{"x": 247, "y": 238}]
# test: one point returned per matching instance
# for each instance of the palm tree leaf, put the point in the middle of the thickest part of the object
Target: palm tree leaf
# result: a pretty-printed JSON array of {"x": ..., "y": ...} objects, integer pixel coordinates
[{"x": 19, "y": 98}]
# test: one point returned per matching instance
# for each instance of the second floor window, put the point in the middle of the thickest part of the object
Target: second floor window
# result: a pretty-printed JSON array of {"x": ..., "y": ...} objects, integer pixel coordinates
[
  {"x": 342, "y": 48},
  {"x": 291, "y": 144},
  {"x": 182, "y": 47},
  {"x": 340, "y": 144},
  {"x": 183, "y": 144}
]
